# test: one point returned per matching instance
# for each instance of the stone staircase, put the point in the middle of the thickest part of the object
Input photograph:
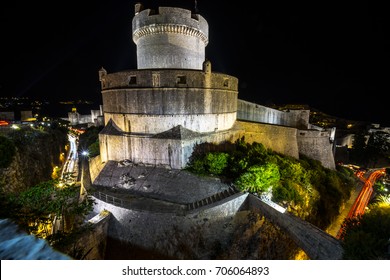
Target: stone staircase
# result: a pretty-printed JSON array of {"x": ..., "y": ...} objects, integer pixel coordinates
[{"x": 212, "y": 199}]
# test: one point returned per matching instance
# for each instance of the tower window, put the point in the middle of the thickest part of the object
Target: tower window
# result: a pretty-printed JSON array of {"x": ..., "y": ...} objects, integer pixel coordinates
[
  {"x": 133, "y": 80},
  {"x": 156, "y": 79},
  {"x": 226, "y": 82},
  {"x": 181, "y": 80}
]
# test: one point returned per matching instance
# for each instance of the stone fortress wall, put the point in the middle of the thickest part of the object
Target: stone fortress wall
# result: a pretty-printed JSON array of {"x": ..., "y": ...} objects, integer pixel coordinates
[
  {"x": 286, "y": 132},
  {"x": 249, "y": 111},
  {"x": 95, "y": 118},
  {"x": 159, "y": 112},
  {"x": 317, "y": 145}
]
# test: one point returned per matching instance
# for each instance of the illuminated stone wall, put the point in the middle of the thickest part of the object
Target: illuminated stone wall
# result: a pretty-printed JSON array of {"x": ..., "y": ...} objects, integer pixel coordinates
[
  {"x": 153, "y": 101},
  {"x": 212, "y": 231},
  {"x": 249, "y": 111},
  {"x": 172, "y": 148},
  {"x": 280, "y": 139},
  {"x": 158, "y": 116},
  {"x": 95, "y": 167},
  {"x": 198, "y": 234},
  {"x": 91, "y": 243},
  {"x": 286, "y": 132},
  {"x": 316, "y": 145},
  {"x": 153, "y": 124},
  {"x": 177, "y": 152},
  {"x": 76, "y": 118},
  {"x": 291, "y": 141}
]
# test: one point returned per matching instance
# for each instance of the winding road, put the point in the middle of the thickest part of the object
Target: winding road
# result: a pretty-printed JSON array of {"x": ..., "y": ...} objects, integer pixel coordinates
[{"x": 361, "y": 202}]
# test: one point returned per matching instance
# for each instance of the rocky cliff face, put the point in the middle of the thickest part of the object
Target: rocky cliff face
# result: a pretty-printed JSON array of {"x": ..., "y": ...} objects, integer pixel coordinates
[{"x": 37, "y": 153}]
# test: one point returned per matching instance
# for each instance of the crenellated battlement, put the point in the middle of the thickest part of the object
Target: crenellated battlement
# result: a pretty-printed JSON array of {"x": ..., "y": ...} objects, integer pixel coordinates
[
  {"x": 170, "y": 14},
  {"x": 168, "y": 78},
  {"x": 169, "y": 28}
]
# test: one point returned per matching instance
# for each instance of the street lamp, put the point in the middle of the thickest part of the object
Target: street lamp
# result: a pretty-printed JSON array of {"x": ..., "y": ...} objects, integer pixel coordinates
[{"x": 85, "y": 153}]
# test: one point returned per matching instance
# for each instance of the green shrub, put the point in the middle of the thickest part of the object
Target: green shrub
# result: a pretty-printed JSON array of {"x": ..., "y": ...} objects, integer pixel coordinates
[
  {"x": 216, "y": 163},
  {"x": 198, "y": 166},
  {"x": 89, "y": 137}
]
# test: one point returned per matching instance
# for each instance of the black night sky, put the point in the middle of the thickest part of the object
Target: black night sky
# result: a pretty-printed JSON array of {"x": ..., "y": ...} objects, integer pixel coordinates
[{"x": 333, "y": 57}]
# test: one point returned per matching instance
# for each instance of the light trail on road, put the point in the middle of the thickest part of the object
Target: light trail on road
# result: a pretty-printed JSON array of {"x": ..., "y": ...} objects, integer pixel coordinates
[
  {"x": 71, "y": 161},
  {"x": 361, "y": 202}
]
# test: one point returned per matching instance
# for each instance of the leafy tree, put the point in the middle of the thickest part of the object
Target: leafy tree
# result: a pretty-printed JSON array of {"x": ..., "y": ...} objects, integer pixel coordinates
[
  {"x": 369, "y": 148},
  {"x": 332, "y": 187},
  {"x": 36, "y": 208},
  {"x": 291, "y": 168},
  {"x": 345, "y": 171},
  {"x": 26, "y": 135},
  {"x": 259, "y": 178},
  {"x": 246, "y": 155},
  {"x": 358, "y": 153},
  {"x": 378, "y": 146},
  {"x": 94, "y": 149},
  {"x": 88, "y": 138},
  {"x": 367, "y": 236},
  {"x": 286, "y": 192},
  {"x": 383, "y": 199}
]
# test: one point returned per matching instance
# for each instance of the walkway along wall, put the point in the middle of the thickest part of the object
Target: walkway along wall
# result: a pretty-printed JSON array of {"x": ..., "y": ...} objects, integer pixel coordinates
[
  {"x": 203, "y": 231},
  {"x": 196, "y": 235},
  {"x": 249, "y": 111},
  {"x": 316, "y": 243}
]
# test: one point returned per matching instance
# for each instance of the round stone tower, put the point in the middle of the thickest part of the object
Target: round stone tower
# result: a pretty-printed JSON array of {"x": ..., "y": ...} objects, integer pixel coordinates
[
  {"x": 173, "y": 101},
  {"x": 170, "y": 38}
]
